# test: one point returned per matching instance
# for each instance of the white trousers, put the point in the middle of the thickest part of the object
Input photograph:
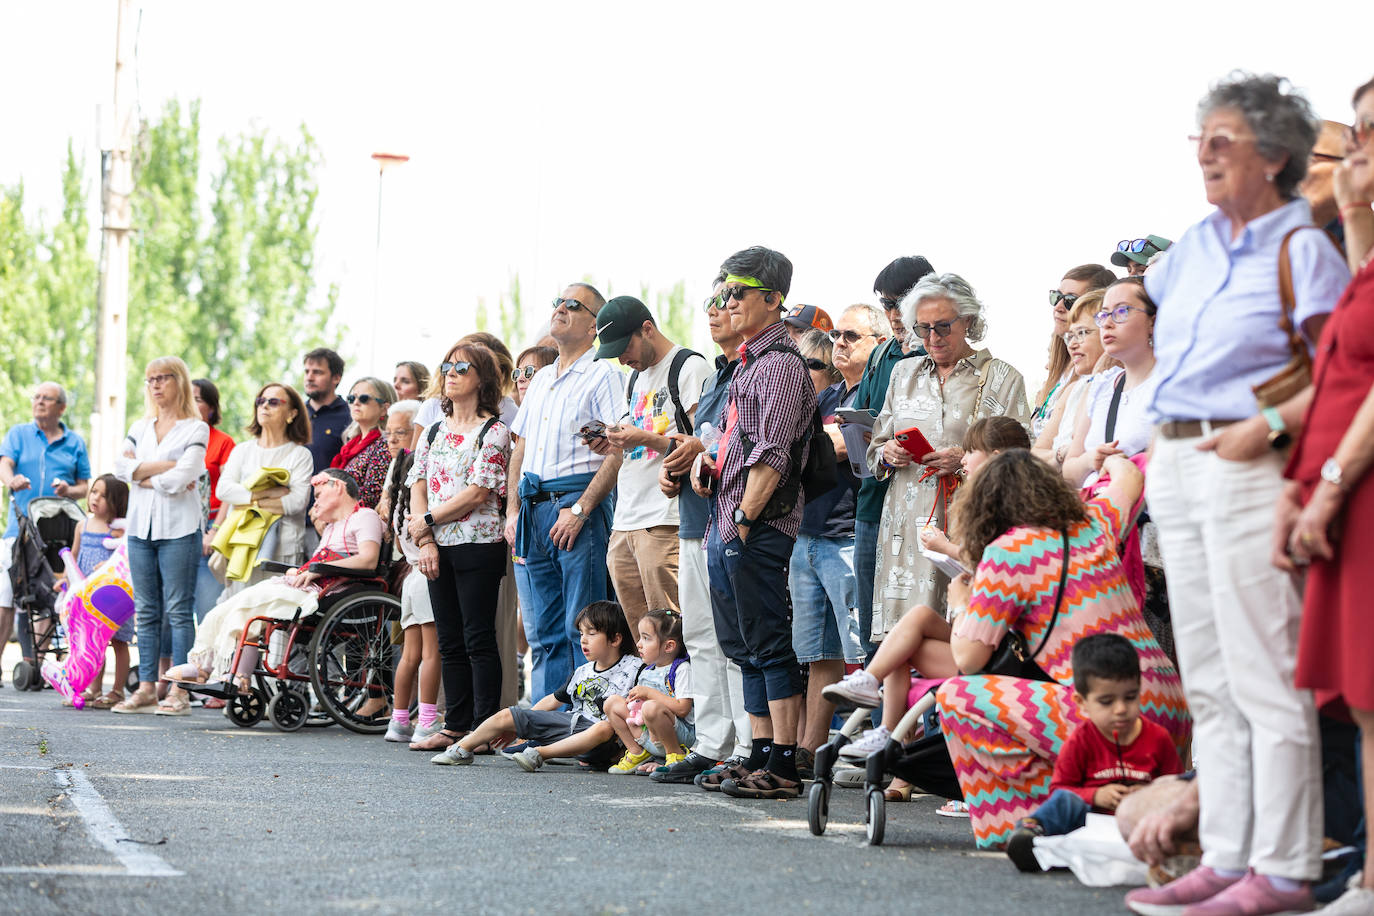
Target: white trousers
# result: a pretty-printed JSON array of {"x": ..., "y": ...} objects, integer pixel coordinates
[
  {"x": 717, "y": 686},
  {"x": 1236, "y": 619}
]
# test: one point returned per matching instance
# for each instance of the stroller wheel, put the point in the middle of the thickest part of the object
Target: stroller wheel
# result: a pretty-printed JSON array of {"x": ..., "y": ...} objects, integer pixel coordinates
[
  {"x": 246, "y": 709},
  {"x": 288, "y": 710},
  {"x": 875, "y": 816},
  {"x": 26, "y": 677},
  {"x": 818, "y": 807}
]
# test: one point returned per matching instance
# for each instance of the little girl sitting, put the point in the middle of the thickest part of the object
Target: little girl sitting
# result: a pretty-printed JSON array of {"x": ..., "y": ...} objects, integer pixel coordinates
[
  {"x": 107, "y": 501},
  {"x": 655, "y": 719}
]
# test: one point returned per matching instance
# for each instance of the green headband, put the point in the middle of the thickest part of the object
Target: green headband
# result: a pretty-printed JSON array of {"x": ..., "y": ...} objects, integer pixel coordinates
[{"x": 756, "y": 284}]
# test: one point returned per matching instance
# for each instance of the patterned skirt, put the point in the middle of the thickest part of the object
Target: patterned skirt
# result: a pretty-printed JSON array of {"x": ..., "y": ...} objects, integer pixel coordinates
[{"x": 1004, "y": 734}]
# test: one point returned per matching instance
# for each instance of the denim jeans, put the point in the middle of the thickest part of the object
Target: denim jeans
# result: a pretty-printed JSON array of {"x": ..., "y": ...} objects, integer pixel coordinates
[
  {"x": 821, "y": 578},
  {"x": 865, "y": 563},
  {"x": 164, "y": 581},
  {"x": 556, "y": 585},
  {"x": 1064, "y": 812},
  {"x": 208, "y": 588}
]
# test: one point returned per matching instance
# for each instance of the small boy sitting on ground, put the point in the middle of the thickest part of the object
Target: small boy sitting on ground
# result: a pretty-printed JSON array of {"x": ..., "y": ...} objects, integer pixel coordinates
[
  {"x": 1107, "y": 757},
  {"x": 610, "y": 670}
]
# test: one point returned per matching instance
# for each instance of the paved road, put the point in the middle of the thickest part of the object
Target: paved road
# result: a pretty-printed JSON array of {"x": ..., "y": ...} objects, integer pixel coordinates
[{"x": 325, "y": 821}]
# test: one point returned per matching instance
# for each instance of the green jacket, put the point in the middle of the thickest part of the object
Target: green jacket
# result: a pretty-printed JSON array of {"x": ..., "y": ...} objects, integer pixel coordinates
[{"x": 871, "y": 393}]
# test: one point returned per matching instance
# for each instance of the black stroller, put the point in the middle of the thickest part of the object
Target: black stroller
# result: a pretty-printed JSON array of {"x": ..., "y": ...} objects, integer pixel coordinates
[{"x": 46, "y": 528}]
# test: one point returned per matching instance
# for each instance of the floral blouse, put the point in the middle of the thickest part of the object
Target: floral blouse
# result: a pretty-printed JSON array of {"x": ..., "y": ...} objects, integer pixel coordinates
[
  {"x": 369, "y": 467},
  {"x": 455, "y": 462}
]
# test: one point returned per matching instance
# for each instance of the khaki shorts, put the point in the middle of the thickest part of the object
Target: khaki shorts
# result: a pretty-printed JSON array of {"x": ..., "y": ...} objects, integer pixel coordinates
[{"x": 415, "y": 606}]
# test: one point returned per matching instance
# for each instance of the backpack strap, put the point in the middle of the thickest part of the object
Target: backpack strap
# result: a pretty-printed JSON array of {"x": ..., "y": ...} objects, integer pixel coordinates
[
  {"x": 1115, "y": 406},
  {"x": 672, "y": 675},
  {"x": 680, "y": 417},
  {"x": 433, "y": 431}
]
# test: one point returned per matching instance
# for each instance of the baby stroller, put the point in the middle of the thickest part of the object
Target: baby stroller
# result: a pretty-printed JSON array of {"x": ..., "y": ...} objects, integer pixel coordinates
[{"x": 46, "y": 527}]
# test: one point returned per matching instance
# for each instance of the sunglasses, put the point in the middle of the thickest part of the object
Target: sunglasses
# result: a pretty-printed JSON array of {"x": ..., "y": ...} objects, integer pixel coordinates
[
  {"x": 153, "y": 381},
  {"x": 363, "y": 399},
  {"x": 1117, "y": 315},
  {"x": 272, "y": 402},
  {"x": 849, "y": 337},
  {"x": 1135, "y": 246},
  {"x": 460, "y": 367},
  {"x": 739, "y": 292},
  {"x": 941, "y": 329},
  {"x": 1219, "y": 143},
  {"x": 1358, "y": 134},
  {"x": 713, "y": 302},
  {"x": 888, "y": 303},
  {"x": 817, "y": 365},
  {"x": 1076, "y": 335},
  {"x": 571, "y": 305},
  {"x": 523, "y": 372},
  {"x": 1068, "y": 299}
]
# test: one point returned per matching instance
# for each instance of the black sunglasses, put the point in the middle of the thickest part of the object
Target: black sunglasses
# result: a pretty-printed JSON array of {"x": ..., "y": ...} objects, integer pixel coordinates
[
  {"x": 460, "y": 367},
  {"x": 739, "y": 292},
  {"x": 523, "y": 372},
  {"x": 817, "y": 365},
  {"x": 941, "y": 329},
  {"x": 1067, "y": 298},
  {"x": 571, "y": 305},
  {"x": 888, "y": 303},
  {"x": 270, "y": 402},
  {"x": 363, "y": 399},
  {"x": 849, "y": 337}
]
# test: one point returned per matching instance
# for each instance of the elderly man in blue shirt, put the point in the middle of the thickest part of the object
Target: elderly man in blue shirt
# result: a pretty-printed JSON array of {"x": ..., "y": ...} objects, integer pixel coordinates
[{"x": 42, "y": 458}]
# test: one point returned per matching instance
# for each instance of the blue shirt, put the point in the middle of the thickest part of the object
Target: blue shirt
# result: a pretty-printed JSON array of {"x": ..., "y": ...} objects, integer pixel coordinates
[
  {"x": 40, "y": 461},
  {"x": 831, "y": 515},
  {"x": 1217, "y": 332},
  {"x": 694, "y": 512}
]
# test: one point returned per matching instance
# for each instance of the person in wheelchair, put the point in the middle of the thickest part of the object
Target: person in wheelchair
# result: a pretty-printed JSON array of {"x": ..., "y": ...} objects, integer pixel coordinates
[{"x": 352, "y": 539}]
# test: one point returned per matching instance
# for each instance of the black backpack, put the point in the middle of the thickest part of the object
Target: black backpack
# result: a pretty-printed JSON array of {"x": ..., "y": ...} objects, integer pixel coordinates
[
  {"x": 481, "y": 435},
  {"x": 684, "y": 422},
  {"x": 813, "y": 477}
]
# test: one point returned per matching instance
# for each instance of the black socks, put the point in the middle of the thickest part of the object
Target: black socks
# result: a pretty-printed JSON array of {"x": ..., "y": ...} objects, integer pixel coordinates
[
  {"x": 759, "y": 755},
  {"x": 783, "y": 761}
]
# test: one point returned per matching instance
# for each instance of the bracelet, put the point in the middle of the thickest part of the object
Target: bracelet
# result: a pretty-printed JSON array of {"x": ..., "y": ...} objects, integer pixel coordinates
[{"x": 1354, "y": 205}]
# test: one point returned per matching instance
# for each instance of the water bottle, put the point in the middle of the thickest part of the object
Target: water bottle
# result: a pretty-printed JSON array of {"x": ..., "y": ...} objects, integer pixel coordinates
[
  {"x": 710, "y": 437},
  {"x": 276, "y": 648}
]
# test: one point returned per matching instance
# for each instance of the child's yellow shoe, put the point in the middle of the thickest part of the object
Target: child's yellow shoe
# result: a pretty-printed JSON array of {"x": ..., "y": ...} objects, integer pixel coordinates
[
  {"x": 629, "y": 762},
  {"x": 674, "y": 758}
]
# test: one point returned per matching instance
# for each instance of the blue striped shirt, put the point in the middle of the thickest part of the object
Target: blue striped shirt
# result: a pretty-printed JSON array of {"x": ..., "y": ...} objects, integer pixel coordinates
[{"x": 557, "y": 405}]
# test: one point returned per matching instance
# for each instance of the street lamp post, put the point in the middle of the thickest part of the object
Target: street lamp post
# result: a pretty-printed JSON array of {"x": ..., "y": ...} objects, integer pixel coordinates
[{"x": 383, "y": 160}]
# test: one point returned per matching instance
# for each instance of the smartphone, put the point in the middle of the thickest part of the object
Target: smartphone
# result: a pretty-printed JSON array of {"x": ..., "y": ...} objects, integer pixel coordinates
[
  {"x": 593, "y": 430},
  {"x": 915, "y": 443},
  {"x": 704, "y": 475}
]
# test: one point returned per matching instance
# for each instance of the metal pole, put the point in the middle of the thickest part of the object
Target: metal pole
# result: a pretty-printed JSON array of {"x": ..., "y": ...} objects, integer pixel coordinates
[{"x": 383, "y": 160}]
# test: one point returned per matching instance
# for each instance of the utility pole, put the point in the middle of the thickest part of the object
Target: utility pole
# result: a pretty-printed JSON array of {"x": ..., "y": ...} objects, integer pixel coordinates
[
  {"x": 383, "y": 160},
  {"x": 117, "y": 187}
]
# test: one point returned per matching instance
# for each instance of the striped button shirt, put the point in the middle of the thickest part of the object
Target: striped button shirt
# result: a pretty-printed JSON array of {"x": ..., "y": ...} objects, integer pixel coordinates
[
  {"x": 557, "y": 405},
  {"x": 774, "y": 403}
]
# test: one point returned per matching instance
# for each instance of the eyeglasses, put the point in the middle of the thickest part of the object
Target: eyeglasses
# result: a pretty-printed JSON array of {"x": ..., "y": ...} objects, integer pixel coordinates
[
  {"x": 393, "y": 434},
  {"x": 888, "y": 303},
  {"x": 1326, "y": 157},
  {"x": 460, "y": 367},
  {"x": 941, "y": 328},
  {"x": 1117, "y": 315},
  {"x": 363, "y": 399},
  {"x": 849, "y": 337},
  {"x": 1219, "y": 143},
  {"x": 739, "y": 292},
  {"x": 46, "y": 398},
  {"x": 1068, "y": 299},
  {"x": 153, "y": 381},
  {"x": 817, "y": 365},
  {"x": 520, "y": 372},
  {"x": 1135, "y": 246},
  {"x": 1358, "y": 134},
  {"x": 1075, "y": 335},
  {"x": 571, "y": 305},
  {"x": 275, "y": 402}
]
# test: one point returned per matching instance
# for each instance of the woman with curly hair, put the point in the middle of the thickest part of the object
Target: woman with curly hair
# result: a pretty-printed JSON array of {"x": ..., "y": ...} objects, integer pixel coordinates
[{"x": 1020, "y": 522}]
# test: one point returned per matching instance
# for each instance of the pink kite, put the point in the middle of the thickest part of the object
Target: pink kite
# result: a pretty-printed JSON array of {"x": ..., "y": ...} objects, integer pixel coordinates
[{"x": 93, "y": 609}]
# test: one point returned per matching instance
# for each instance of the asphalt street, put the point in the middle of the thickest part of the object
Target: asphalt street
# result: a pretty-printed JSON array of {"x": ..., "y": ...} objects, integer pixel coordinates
[{"x": 148, "y": 814}]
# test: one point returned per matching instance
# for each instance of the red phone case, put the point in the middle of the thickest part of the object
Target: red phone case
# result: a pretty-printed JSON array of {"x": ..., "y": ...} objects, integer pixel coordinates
[{"x": 915, "y": 443}]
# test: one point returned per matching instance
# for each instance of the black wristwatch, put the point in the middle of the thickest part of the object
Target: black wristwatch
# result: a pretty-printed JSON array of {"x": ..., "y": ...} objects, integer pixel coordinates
[
  {"x": 429, "y": 519},
  {"x": 742, "y": 520}
]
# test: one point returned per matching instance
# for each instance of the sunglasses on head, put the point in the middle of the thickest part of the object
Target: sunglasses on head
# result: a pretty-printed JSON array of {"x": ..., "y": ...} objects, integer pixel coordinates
[
  {"x": 941, "y": 329},
  {"x": 520, "y": 372},
  {"x": 849, "y": 337},
  {"x": 460, "y": 367},
  {"x": 270, "y": 402},
  {"x": 1135, "y": 246},
  {"x": 571, "y": 305},
  {"x": 363, "y": 399},
  {"x": 1057, "y": 297}
]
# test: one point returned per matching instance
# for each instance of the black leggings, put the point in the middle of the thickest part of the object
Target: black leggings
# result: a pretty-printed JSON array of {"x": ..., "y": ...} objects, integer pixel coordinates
[{"x": 464, "y": 598}]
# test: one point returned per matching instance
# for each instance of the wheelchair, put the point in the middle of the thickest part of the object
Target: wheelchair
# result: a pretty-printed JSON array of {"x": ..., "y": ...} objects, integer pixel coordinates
[{"x": 344, "y": 653}]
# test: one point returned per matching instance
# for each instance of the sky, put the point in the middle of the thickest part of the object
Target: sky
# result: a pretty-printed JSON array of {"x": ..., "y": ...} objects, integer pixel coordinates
[{"x": 640, "y": 144}]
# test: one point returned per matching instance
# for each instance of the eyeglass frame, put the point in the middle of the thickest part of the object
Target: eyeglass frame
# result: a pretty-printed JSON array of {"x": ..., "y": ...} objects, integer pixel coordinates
[
  {"x": 1056, "y": 297},
  {"x": 1210, "y": 141},
  {"x": 1358, "y": 134},
  {"x": 929, "y": 329},
  {"x": 1114, "y": 315},
  {"x": 572, "y": 305},
  {"x": 365, "y": 399},
  {"x": 527, "y": 371},
  {"x": 739, "y": 292},
  {"x": 270, "y": 402},
  {"x": 1135, "y": 246},
  {"x": 153, "y": 381},
  {"x": 1076, "y": 334},
  {"x": 837, "y": 335},
  {"x": 461, "y": 366}
]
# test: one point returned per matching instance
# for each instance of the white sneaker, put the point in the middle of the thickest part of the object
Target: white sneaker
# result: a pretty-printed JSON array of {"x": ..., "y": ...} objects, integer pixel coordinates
[
  {"x": 399, "y": 733},
  {"x": 422, "y": 732},
  {"x": 528, "y": 759},
  {"x": 1357, "y": 900},
  {"x": 453, "y": 755},
  {"x": 858, "y": 687},
  {"x": 874, "y": 740}
]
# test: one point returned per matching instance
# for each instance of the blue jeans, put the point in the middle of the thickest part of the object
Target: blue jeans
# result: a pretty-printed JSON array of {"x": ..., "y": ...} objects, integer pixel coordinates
[
  {"x": 554, "y": 586},
  {"x": 865, "y": 563},
  {"x": 821, "y": 578},
  {"x": 164, "y": 581},
  {"x": 208, "y": 588},
  {"x": 753, "y": 617},
  {"x": 1064, "y": 812}
]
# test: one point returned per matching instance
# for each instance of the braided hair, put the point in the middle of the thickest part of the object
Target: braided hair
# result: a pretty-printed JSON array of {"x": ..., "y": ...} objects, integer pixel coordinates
[{"x": 398, "y": 494}]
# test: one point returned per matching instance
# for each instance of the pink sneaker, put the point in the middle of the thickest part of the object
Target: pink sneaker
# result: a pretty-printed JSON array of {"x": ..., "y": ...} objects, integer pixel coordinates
[
  {"x": 1172, "y": 899},
  {"x": 1253, "y": 895}
]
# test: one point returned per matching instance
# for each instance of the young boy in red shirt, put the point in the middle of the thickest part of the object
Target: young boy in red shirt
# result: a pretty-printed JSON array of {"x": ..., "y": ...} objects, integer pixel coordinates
[{"x": 1111, "y": 755}]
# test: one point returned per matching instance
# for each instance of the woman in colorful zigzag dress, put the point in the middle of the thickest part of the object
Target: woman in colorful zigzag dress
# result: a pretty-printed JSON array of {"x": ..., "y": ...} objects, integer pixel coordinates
[{"x": 1005, "y": 732}]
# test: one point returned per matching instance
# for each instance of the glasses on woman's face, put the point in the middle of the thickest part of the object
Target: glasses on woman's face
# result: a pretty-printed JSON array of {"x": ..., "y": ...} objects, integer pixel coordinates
[
  {"x": 154, "y": 381},
  {"x": 1068, "y": 299},
  {"x": 849, "y": 337},
  {"x": 397, "y": 435},
  {"x": 1117, "y": 315},
  {"x": 270, "y": 402},
  {"x": 460, "y": 367},
  {"x": 941, "y": 329},
  {"x": 363, "y": 399},
  {"x": 1077, "y": 335},
  {"x": 525, "y": 372},
  {"x": 1358, "y": 134},
  {"x": 1218, "y": 143},
  {"x": 817, "y": 365}
]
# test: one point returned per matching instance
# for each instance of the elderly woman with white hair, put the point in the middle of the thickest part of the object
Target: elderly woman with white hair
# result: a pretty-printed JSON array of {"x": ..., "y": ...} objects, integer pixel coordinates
[{"x": 940, "y": 394}]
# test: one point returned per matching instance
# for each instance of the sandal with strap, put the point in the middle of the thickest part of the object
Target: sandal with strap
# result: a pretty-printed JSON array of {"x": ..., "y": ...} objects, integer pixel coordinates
[
  {"x": 174, "y": 705},
  {"x": 900, "y": 793},
  {"x": 107, "y": 701},
  {"x": 762, "y": 784},
  {"x": 711, "y": 779}
]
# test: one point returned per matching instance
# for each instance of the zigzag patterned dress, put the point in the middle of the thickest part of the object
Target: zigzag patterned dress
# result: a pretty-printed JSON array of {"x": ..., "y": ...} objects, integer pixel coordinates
[{"x": 1004, "y": 733}]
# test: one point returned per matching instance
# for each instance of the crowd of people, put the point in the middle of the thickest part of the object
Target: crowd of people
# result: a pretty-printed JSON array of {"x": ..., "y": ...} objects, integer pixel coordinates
[{"x": 1148, "y": 566}]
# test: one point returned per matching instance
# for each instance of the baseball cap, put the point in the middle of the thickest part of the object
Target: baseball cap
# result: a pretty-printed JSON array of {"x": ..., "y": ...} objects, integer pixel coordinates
[
  {"x": 809, "y": 316},
  {"x": 617, "y": 322},
  {"x": 1149, "y": 246}
]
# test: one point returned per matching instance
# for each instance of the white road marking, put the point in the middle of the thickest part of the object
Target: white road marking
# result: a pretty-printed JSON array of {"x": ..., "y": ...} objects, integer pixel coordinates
[
  {"x": 86, "y": 870},
  {"x": 106, "y": 829}
]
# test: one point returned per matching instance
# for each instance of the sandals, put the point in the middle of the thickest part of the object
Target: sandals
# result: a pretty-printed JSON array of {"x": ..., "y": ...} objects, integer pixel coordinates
[
  {"x": 436, "y": 742},
  {"x": 174, "y": 705},
  {"x": 107, "y": 701},
  {"x": 711, "y": 779},
  {"x": 136, "y": 702},
  {"x": 900, "y": 793},
  {"x": 762, "y": 784}
]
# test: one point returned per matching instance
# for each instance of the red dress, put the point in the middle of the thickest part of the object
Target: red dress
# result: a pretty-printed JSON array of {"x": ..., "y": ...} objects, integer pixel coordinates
[{"x": 1337, "y": 640}]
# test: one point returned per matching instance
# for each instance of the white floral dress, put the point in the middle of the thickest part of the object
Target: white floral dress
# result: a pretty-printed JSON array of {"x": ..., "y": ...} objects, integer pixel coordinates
[{"x": 454, "y": 462}]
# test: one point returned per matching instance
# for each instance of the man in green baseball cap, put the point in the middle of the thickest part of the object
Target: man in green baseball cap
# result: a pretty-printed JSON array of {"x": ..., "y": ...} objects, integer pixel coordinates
[{"x": 1135, "y": 254}]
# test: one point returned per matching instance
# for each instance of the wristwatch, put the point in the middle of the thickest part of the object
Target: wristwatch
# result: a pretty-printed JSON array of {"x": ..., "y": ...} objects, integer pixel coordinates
[
  {"x": 1331, "y": 473},
  {"x": 1279, "y": 436},
  {"x": 742, "y": 520},
  {"x": 429, "y": 519},
  {"x": 577, "y": 511}
]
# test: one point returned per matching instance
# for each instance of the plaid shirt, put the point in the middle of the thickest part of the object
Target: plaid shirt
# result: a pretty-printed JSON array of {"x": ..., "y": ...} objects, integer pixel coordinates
[{"x": 775, "y": 403}]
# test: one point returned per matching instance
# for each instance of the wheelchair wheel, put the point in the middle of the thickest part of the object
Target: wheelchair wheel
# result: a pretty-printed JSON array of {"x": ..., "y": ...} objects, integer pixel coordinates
[
  {"x": 246, "y": 709},
  {"x": 288, "y": 710},
  {"x": 875, "y": 817},
  {"x": 818, "y": 807},
  {"x": 352, "y": 659}
]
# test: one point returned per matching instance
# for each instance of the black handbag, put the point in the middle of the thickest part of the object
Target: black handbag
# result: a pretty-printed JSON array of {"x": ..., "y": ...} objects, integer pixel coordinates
[{"x": 1012, "y": 657}]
